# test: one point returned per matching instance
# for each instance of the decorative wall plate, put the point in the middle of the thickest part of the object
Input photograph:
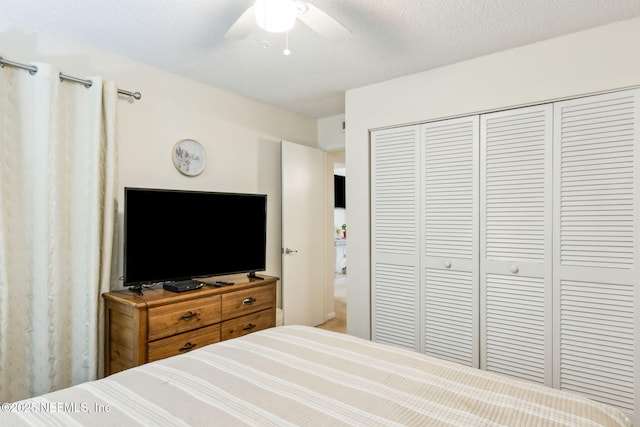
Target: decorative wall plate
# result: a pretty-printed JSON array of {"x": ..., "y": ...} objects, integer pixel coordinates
[{"x": 189, "y": 157}]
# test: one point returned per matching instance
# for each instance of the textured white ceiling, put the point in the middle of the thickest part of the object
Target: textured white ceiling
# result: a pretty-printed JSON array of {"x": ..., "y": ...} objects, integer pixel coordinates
[{"x": 390, "y": 39}]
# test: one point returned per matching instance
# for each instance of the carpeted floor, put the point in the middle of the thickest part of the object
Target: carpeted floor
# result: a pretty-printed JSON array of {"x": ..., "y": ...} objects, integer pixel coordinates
[{"x": 338, "y": 323}]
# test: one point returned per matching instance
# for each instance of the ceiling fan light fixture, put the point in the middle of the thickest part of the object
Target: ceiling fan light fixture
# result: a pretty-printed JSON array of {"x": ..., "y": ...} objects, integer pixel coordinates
[{"x": 276, "y": 16}]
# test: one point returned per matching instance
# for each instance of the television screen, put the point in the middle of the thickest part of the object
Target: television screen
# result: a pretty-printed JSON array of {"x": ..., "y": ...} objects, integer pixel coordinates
[
  {"x": 339, "y": 182},
  {"x": 176, "y": 235}
]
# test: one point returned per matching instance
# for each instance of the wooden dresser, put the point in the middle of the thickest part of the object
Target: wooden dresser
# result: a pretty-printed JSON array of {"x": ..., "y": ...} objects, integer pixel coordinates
[{"x": 160, "y": 323}]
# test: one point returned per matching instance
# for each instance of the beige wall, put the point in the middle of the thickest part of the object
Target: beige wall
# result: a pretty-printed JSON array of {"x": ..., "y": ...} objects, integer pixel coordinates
[
  {"x": 331, "y": 133},
  {"x": 601, "y": 59},
  {"x": 242, "y": 137}
]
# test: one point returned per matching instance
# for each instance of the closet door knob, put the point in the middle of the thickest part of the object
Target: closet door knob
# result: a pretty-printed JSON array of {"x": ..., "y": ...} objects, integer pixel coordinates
[
  {"x": 447, "y": 264},
  {"x": 514, "y": 269}
]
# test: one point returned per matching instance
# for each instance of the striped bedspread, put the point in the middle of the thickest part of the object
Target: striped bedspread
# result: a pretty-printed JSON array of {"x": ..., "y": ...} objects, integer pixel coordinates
[{"x": 296, "y": 375}]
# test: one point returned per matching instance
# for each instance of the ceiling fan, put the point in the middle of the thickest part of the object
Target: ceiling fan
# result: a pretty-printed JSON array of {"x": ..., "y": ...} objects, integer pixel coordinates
[{"x": 279, "y": 16}]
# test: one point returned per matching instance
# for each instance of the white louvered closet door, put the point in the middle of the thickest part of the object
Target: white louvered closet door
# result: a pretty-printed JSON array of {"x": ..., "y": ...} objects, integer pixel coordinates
[
  {"x": 450, "y": 157},
  {"x": 597, "y": 249},
  {"x": 395, "y": 231},
  {"x": 515, "y": 243}
]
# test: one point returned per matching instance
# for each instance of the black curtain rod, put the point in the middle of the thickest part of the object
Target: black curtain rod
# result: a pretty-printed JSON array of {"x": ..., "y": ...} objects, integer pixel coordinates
[{"x": 32, "y": 69}]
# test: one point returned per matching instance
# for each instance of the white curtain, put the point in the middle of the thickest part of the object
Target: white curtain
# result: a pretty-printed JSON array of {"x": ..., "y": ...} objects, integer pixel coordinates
[{"x": 57, "y": 204}]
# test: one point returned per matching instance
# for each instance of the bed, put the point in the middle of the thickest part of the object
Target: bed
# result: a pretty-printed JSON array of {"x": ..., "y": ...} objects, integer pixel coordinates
[{"x": 298, "y": 375}]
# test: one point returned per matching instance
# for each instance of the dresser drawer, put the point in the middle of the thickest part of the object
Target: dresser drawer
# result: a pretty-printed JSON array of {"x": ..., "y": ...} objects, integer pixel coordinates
[
  {"x": 184, "y": 316},
  {"x": 246, "y": 324},
  {"x": 240, "y": 303},
  {"x": 183, "y": 343}
]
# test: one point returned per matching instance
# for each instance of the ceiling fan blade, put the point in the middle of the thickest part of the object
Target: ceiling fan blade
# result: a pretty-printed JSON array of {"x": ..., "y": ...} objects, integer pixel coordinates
[
  {"x": 243, "y": 26},
  {"x": 323, "y": 24}
]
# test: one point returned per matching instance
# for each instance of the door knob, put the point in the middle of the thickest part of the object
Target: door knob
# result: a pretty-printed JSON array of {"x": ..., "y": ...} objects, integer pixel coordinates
[{"x": 289, "y": 251}]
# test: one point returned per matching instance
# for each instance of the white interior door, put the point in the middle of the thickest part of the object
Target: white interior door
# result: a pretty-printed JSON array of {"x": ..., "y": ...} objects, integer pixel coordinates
[
  {"x": 450, "y": 273},
  {"x": 597, "y": 248},
  {"x": 395, "y": 237},
  {"x": 304, "y": 204},
  {"x": 515, "y": 243}
]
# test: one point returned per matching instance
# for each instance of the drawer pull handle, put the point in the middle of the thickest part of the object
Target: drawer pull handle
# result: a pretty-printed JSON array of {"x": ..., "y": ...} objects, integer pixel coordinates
[
  {"x": 249, "y": 327},
  {"x": 249, "y": 301},
  {"x": 188, "y": 316},
  {"x": 188, "y": 346}
]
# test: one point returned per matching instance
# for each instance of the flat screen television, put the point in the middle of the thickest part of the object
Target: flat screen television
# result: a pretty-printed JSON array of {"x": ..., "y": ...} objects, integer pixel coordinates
[
  {"x": 339, "y": 192},
  {"x": 172, "y": 235}
]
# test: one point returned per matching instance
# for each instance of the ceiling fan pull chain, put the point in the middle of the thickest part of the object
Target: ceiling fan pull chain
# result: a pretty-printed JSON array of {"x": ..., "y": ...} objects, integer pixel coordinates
[{"x": 286, "y": 51}]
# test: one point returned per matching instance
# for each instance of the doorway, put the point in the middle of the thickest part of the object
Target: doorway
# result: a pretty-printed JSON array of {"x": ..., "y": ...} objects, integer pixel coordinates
[{"x": 337, "y": 319}]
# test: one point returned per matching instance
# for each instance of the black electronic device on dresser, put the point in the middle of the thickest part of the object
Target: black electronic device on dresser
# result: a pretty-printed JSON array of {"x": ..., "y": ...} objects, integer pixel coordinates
[
  {"x": 175, "y": 235},
  {"x": 182, "y": 285}
]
